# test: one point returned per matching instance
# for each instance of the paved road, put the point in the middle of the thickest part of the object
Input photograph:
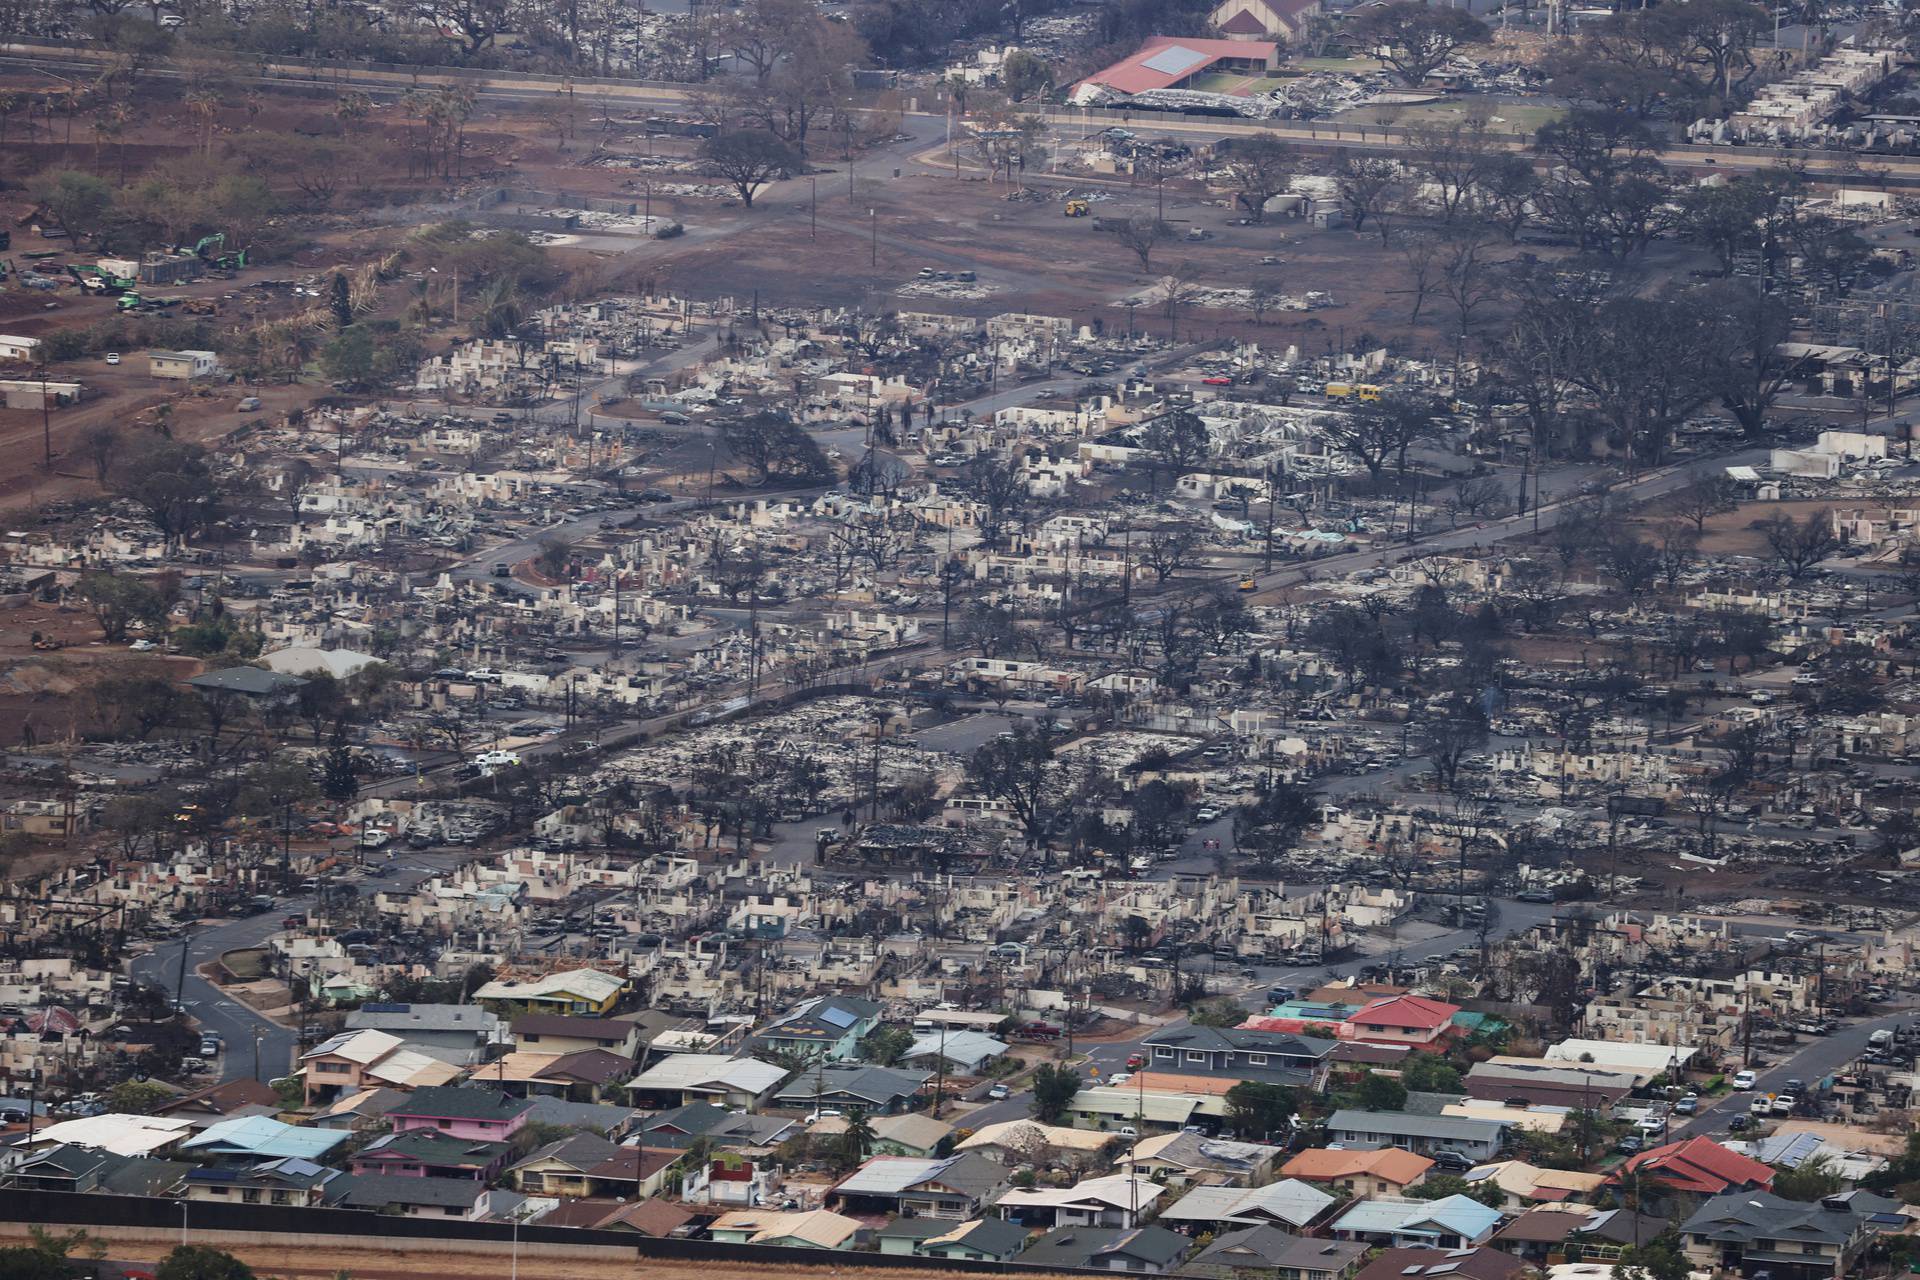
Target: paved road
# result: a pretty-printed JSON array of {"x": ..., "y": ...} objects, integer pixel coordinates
[
  {"x": 1489, "y": 532},
  {"x": 234, "y": 1022},
  {"x": 1820, "y": 1058}
]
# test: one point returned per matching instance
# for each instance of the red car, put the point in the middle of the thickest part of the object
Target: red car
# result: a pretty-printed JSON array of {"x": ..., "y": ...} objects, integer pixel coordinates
[{"x": 1136, "y": 1061}]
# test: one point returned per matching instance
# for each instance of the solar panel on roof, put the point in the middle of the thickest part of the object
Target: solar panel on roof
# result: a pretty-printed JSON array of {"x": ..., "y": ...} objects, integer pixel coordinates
[
  {"x": 1175, "y": 60},
  {"x": 838, "y": 1017}
]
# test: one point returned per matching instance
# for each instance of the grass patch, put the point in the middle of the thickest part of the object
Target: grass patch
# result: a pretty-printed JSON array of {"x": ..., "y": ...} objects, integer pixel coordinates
[
  {"x": 1507, "y": 118},
  {"x": 245, "y": 966},
  {"x": 1338, "y": 64}
]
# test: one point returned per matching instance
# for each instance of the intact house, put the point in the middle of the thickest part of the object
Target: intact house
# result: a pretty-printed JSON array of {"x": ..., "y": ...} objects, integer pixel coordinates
[
  {"x": 1384, "y": 1171},
  {"x": 407, "y": 1197},
  {"x": 1270, "y": 1252},
  {"x": 287, "y": 1181},
  {"x": 1478, "y": 1140},
  {"x": 429, "y": 1153},
  {"x": 705, "y": 1077},
  {"x": 1117, "y": 1200},
  {"x": 585, "y": 1164},
  {"x": 458, "y": 1033},
  {"x": 875, "y": 1090},
  {"x": 1262, "y": 19},
  {"x": 477, "y": 1115},
  {"x": 558, "y": 1034},
  {"x": 1756, "y": 1232},
  {"x": 1452, "y": 1222},
  {"x": 829, "y": 1027},
  {"x": 578, "y": 991},
  {"x": 1265, "y": 1057},
  {"x": 1140, "y": 1250},
  {"x": 957, "y": 1188},
  {"x": 182, "y": 366}
]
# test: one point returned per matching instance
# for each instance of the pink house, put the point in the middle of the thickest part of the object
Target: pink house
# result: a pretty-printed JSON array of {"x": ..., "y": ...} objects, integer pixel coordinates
[{"x": 477, "y": 1115}]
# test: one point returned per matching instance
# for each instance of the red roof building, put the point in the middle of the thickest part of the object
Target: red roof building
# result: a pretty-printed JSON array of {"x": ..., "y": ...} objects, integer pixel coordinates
[
  {"x": 1697, "y": 1166},
  {"x": 1175, "y": 62},
  {"x": 1403, "y": 1020}
]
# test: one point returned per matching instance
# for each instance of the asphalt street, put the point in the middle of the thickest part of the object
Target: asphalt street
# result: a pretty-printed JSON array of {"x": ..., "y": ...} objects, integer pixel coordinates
[{"x": 234, "y": 1022}]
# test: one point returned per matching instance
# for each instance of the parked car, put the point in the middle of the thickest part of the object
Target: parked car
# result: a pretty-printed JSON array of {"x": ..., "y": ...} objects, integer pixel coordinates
[
  {"x": 1744, "y": 1079},
  {"x": 999, "y": 1093}
]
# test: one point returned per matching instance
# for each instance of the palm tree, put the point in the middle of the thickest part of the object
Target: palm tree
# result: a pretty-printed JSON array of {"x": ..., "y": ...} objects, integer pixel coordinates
[
  {"x": 297, "y": 346},
  {"x": 202, "y": 105},
  {"x": 857, "y": 1142}
]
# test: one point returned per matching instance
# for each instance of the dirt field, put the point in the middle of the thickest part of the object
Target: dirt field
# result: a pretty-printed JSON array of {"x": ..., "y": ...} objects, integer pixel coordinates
[{"x": 407, "y": 1259}]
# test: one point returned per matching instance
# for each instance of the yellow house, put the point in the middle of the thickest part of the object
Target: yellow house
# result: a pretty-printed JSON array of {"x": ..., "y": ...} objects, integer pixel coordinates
[{"x": 582, "y": 992}]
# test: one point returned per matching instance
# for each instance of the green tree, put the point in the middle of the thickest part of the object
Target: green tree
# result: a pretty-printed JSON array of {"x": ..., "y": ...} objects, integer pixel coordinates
[
  {"x": 136, "y": 1097},
  {"x": 1258, "y": 1112},
  {"x": 1270, "y": 825},
  {"x": 1413, "y": 38},
  {"x": 1024, "y": 76},
  {"x": 339, "y": 782},
  {"x": 1429, "y": 1073},
  {"x": 79, "y": 203},
  {"x": 885, "y": 1046},
  {"x": 176, "y": 487},
  {"x": 746, "y": 158},
  {"x": 1659, "y": 1259},
  {"x": 202, "y": 1262},
  {"x": 119, "y": 600},
  {"x": 1053, "y": 1088},
  {"x": 1440, "y": 1186},
  {"x": 1377, "y": 1092},
  {"x": 1812, "y": 1180},
  {"x": 856, "y": 1142},
  {"x": 1223, "y": 1011}
]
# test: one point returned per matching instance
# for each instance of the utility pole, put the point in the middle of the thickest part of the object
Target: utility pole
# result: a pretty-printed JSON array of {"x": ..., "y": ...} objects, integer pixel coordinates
[{"x": 46, "y": 425}]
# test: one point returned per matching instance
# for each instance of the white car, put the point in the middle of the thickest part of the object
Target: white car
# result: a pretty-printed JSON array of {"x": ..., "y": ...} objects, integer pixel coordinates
[
  {"x": 824, "y": 1113},
  {"x": 113, "y": 357},
  {"x": 1745, "y": 1080},
  {"x": 143, "y": 646},
  {"x": 497, "y": 759},
  {"x": 484, "y": 675}
]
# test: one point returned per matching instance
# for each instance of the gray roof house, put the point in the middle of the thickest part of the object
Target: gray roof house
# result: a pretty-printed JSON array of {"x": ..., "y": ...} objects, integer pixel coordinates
[
  {"x": 1250, "y": 1251},
  {"x": 248, "y": 682},
  {"x": 458, "y": 1034},
  {"x": 1368, "y": 1130},
  {"x": 1288, "y": 1203},
  {"x": 1751, "y": 1232},
  {"x": 1268, "y": 1057},
  {"x": 1152, "y": 1251},
  {"x": 407, "y": 1196},
  {"x": 880, "y": 1090},
  {"x": 956, "y": 1188},
  {"x": 982, "y": 1240}
]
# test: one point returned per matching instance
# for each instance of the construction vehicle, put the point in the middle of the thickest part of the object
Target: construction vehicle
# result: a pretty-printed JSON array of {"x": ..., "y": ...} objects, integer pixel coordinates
[
  {"x": 1366, "y": 391},
  {"x": 100, "y": 280},
  {"x": 220, "y": 261},
  {"x": 1248, "y": 584},
  {"x": 1076, "y": 208}
]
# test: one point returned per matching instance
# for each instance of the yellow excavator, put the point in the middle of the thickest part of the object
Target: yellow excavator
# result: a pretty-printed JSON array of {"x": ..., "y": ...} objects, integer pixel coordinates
[{"x": 1076, "y": 208}]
